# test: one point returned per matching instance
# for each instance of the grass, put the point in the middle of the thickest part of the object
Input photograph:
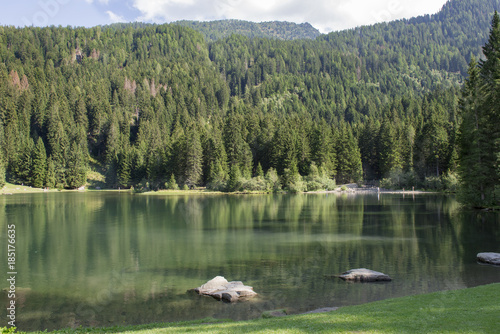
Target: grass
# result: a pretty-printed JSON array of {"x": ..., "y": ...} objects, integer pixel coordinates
[
  {"x": 10, "y": 188},
  {"x": 474, "y": 310}
]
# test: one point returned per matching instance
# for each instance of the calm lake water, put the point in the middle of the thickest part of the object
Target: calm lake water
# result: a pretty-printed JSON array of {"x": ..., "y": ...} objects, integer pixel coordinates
[{"x": 101, "y": 259}]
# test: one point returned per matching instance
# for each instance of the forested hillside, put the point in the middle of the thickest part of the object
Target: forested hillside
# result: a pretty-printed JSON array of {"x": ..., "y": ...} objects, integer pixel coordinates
[
  {"x": 214, "y": 30},
  {"x": 158, "y": 105}
]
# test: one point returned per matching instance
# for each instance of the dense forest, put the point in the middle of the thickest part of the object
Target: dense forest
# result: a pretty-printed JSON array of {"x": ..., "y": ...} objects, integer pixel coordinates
[
  {"x": 155, "y": 106},
  {"x": 214, "y": 30}
]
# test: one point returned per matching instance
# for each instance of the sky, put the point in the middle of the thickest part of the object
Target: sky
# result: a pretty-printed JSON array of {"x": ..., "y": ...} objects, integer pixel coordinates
[{"x": 325, "y": 15}]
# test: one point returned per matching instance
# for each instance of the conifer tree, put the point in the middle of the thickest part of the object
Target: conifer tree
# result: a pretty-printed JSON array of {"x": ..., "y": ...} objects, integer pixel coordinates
[
  {"x": 172, "y": 183},
  {"x": 38, "y": 170},
  {"x": 479, "y": 133},
  {"x": 349, "y": 168},
  {"x": 233, "y": 182},
  {"x": 258, "y": 171},
  {"x": 77, "y": 169},
  {"x": 50, "y": 175},
  {"x": 124, "y": 168},
  {"x": 193, "y": 158}
]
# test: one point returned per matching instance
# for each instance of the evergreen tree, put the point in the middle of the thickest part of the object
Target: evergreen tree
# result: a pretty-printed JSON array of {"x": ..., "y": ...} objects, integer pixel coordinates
[
  {"x": 349, "y": 167},
  {"x": 193, "y": 158},
  {"x": 38, "y": 170},
  {"x": 259, "y": 172},
  {"x": 388, "y": 149},
  {"x": 25, "y": 161},
  {"x": 124, "y": 168},
  {"x": 479, "y": 134},
  {"x": 233, "y": 182},
  {"x": 50, "y": 175},
  {"x": 172, "y": 183},
  {"x": 77, "y": 169}
]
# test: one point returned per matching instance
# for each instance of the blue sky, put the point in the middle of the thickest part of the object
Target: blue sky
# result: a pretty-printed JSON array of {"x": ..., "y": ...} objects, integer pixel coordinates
[{"x": 326, "y": 15}]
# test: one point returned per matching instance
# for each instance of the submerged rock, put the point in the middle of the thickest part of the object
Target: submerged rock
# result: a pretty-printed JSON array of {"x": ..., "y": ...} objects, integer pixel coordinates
[
  {"x": 364, "y": 275},
  {"x": 489, "y": 258},
  {"x": 221, "y": 289}
]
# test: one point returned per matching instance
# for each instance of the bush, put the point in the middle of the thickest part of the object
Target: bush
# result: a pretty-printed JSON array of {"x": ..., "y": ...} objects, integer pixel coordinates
[
  {"x": 318, "y": 180},
  {"x": 398, "y": 179},
  {"x": 433, "y": 183},
  {"x": 254, "y": 184},
  {"x": 313, "y": 186},
  {"x": 172, "y": 184},
  {"x": 386, "y": 183},
  {"x": 273, "y": 180},
  {"x": 450, "y": 182},
  {"x": 292, "y": 181}
]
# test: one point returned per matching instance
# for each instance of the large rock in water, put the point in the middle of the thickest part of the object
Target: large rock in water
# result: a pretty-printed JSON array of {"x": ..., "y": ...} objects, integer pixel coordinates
[
  {"x": 489, "y": 258},
  {"x": 364, "y": 275},
  {"x": 221, "y": 289}
]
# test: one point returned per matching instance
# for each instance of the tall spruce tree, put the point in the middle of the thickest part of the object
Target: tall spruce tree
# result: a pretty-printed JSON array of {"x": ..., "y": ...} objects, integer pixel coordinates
[
  {"x": 50, "y": 175},
  {"x": 39, "y": 161},
  {"x": 193, "y": 159},
  {"x": 479, "y": 135}
]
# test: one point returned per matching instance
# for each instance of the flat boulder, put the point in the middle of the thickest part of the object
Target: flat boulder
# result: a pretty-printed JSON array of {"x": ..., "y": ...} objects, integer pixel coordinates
[
  {"x": 364, "y": 275},
  {"x": 221, "y": 289},
  {"x": 489, "y": 258}
]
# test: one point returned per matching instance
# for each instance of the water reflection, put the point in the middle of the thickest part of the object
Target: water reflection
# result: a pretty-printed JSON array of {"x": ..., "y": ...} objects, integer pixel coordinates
[{"x": 98, "y": 259}]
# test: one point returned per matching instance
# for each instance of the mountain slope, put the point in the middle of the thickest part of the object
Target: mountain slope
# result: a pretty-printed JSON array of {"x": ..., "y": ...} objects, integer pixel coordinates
[
  {"x": 215, "y": 30},
  {"x": 152, "y": 101}
]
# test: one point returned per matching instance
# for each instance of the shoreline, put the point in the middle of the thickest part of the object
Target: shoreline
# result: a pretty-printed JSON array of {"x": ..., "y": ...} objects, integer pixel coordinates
[
  {"x": 471, "y": 310},
  {"x": 13, "y": 189}
]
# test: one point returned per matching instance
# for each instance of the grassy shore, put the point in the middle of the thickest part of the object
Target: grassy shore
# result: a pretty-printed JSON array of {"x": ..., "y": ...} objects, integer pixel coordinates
[
  {"x": 11, "y": 189},
  {"x": 474, "y": 310}
]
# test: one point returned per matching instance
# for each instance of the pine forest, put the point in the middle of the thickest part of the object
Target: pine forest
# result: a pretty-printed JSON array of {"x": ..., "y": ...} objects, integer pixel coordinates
[{"x": 410, "y": 103}]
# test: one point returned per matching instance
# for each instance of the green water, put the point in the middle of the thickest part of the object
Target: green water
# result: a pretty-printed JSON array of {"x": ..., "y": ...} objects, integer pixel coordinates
[{"x": 100, "y": 259}]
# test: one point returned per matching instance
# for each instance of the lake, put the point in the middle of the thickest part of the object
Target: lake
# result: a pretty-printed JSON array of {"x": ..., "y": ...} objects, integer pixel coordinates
[{"x": 108, "y": 258}]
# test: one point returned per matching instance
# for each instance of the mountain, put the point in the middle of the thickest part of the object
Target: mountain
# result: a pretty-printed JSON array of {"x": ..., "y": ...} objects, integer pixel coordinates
[
  {"x": 157, "y": 103},
  {"x": 215, "y": 30}
]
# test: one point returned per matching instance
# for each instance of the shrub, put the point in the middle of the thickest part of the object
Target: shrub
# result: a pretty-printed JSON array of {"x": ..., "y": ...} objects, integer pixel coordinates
[
  {"x": 313, "y": 186},
  {"x": 292, "y": 181},
  {"x": 254, "y": 184},
  {"x": 386, "y": 183},
  {"x": 172, "y": 184},
  {"x": 318, "y": 179},
  {"x": 273, "y": 180},
  {"x": 433, "y": 183},
  {"x": 450, "y": 182}
]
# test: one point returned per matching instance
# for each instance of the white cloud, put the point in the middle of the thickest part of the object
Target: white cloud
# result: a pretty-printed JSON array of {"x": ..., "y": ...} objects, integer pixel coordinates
[
  {"x": 326, "y": 15},
  {"x": 104, "y": 2},
  {"x": 114, "y": 18}
]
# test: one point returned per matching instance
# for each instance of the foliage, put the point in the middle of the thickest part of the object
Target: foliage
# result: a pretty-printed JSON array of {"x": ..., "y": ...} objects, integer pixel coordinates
[
  {"x": 215, "y": 30},
  {"x": 2, "y": 175},
  {"x": 148, "y": 101},
  {"x": 172, "y": 183},
  {"x": 479, "y": 135},
  {"x": 399, "y": 179},
  {"x": 318, "y": 179}
]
